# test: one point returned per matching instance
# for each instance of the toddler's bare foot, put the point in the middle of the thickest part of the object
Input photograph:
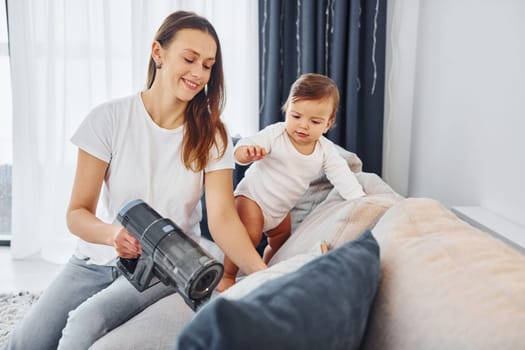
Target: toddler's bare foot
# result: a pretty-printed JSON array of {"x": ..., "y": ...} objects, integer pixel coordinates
[{"x": 225, "y": 283}]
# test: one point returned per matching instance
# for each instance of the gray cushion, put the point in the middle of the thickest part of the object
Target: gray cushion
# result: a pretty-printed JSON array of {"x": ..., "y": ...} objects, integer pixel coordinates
[{"x": 323, "y": 305}]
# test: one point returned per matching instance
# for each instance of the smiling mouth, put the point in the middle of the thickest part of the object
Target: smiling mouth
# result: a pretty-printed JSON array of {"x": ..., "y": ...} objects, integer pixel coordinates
[{"x": 191, "y": 85}]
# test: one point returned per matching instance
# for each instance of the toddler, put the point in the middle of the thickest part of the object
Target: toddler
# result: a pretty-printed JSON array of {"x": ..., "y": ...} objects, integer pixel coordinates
[{"x": 287, "y": 156}]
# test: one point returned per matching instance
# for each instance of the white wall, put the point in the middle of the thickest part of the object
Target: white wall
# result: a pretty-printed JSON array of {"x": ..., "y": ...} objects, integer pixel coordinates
[{"x": 460, "y": 139}]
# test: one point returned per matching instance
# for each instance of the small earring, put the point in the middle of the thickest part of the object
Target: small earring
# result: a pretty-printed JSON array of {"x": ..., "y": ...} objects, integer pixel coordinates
[{"x": 158, "y": 65}]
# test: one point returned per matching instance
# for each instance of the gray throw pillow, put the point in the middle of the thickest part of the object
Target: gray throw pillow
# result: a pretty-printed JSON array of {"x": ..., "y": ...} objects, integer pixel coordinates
[{"x": 322, "y": 305}]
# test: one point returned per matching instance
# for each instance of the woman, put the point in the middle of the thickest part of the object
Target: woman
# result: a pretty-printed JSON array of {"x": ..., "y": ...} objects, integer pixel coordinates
[{"x": 163, "y": 145}]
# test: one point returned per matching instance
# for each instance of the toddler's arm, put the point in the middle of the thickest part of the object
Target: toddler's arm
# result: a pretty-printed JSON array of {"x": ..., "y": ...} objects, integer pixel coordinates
[
  {"x": 340, "y": 175},
  {"x": 248, "y": 154},
  {"x": 256, "y": 147}
]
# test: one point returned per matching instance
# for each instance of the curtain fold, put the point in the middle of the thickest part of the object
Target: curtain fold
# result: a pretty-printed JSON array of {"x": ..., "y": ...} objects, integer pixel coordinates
[
  {"x": 343, "y": 39},
  {"x": 68, "y": 57}
]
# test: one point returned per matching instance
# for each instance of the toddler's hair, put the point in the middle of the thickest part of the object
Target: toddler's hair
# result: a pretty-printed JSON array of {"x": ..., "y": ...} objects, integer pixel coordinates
[{"x": 312, "y": 86}]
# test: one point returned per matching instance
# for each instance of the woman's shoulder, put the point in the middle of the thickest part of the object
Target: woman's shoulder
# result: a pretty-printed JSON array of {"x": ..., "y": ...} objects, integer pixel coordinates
[
  {"x": 220, "y": 142},
  {"x": 112, "y": 110},
  {"x": 117, "y": 103}
]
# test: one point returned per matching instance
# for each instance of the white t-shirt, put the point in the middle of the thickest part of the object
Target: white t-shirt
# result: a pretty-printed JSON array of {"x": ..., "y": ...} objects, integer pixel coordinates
[
  {"x": 144, "y": 163},
  {"x": 277, "y": 181}
]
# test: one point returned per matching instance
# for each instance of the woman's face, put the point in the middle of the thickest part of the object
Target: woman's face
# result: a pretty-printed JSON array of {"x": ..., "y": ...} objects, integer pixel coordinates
[{"x": 186, "y": 63}]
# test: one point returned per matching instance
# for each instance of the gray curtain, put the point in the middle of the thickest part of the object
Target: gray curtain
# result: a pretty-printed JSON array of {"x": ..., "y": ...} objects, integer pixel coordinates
[{"x": 343, "y": 39}]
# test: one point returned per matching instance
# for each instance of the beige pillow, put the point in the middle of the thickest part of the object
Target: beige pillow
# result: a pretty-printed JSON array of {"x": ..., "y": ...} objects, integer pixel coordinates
[
  {"x": 445, "y": 284},
  {"x": 373, "y": 184},
  {"x": 335, "y": 221},
  {"x": 355, "y": 164}
]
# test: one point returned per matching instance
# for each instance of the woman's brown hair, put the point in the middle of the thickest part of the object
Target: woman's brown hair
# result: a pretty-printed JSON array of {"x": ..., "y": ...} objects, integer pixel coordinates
[{"x": 203, "y": 112}]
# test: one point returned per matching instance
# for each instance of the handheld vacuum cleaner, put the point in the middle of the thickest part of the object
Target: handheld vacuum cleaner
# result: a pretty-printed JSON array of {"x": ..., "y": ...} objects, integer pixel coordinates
[{"x": 168, "y": 256}]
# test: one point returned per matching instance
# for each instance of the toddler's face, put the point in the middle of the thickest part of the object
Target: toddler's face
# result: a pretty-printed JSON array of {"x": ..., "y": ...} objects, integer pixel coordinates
[{"x": 308, "y": 120}]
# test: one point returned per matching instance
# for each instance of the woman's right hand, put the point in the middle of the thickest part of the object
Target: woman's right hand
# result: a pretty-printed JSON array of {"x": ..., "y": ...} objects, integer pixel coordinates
[{"x": 126, "y": 245}]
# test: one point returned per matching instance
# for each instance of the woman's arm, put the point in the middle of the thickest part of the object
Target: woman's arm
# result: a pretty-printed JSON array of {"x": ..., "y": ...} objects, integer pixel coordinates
[
  {"x": 225, "y": 226},
  {"x": 81, "y": 219}
]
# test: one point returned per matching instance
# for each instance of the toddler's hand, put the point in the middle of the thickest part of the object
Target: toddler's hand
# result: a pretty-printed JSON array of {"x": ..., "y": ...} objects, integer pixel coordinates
[
  {"x": 126, "y": 245},
  {"x": 248, "y": 154}
]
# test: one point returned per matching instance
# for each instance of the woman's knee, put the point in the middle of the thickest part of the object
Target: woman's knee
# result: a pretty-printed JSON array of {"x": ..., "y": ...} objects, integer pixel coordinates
[{"x": 84, "y": 326}]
